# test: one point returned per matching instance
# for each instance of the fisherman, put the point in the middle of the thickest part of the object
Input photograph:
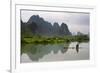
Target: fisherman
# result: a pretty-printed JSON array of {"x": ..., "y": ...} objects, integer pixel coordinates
[{"x": 77, "y": 47}]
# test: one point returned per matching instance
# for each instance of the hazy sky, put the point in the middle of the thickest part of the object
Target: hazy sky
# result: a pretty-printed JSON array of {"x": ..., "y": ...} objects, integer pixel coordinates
[{"x": 75, "y": 21}]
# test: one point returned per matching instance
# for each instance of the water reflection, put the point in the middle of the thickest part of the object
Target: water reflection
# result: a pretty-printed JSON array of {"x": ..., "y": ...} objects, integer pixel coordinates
[
  {"x": 65, "y": 49},
  {"x": 38, "y": 51}
]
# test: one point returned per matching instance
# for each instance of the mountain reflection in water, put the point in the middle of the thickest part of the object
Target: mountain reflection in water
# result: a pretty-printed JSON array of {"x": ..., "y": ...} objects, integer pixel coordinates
[{"x": 54, "y": 52}]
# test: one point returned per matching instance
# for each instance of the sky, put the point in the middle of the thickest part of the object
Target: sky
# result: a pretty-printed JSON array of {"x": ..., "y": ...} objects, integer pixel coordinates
[{"x": 77, "y": 22}]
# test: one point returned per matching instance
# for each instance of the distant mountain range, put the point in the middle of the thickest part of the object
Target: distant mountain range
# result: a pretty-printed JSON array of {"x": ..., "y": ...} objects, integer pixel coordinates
[{"x": 37, "y": 25}]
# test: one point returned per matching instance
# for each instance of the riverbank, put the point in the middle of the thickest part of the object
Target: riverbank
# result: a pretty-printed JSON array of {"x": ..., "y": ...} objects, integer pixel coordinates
[{"x": 53, "y": 40}]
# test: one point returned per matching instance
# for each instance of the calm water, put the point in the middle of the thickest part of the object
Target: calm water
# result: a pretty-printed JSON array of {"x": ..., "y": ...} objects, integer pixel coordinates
[{"x": 54, "y": 52}]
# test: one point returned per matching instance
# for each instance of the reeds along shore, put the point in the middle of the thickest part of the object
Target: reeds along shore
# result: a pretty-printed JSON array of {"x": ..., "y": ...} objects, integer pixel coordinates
[{"x": 53, "y": 40}]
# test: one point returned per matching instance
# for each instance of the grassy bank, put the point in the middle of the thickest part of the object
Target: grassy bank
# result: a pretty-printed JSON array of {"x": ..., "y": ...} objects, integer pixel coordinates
[{"x": 53, "y": 40}]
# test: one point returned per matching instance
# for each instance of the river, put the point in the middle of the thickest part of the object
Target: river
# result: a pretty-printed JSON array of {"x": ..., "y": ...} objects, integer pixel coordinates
[{"x": 54, "y": 52}]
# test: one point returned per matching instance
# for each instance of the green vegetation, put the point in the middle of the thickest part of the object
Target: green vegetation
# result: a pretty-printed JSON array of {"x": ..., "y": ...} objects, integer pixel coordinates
[{"x": 36, "y": 39}]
